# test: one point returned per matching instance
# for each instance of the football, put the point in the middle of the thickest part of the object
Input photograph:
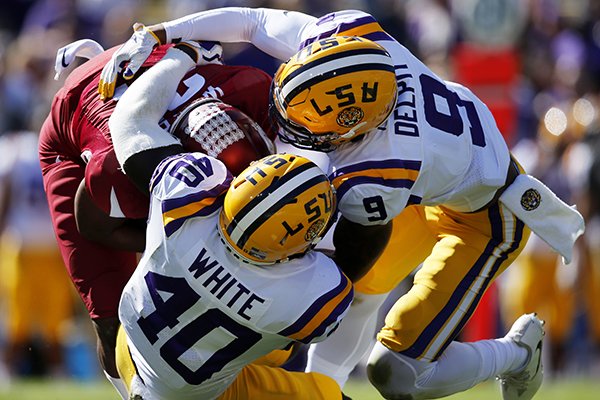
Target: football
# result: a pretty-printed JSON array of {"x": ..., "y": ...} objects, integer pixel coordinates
[{"x": 224, "y": 132}]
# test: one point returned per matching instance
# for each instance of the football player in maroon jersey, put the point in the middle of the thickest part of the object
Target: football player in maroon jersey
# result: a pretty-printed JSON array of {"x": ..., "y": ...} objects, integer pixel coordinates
[{"x": 98, "y": 214}]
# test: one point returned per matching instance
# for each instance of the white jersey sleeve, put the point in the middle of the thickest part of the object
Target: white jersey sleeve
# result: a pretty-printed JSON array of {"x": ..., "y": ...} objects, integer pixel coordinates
[
  {"x": 344, "y": 23},
  {"x": 278, "y": 33},
  {"x": 374, "y": 179},
  {"x": 188, "y": 185}
]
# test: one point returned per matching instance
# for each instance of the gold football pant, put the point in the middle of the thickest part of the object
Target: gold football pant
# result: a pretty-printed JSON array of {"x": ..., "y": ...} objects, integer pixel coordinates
[
  {"x": 461, "y": 254},
  {"x": 256, "y": 381}
]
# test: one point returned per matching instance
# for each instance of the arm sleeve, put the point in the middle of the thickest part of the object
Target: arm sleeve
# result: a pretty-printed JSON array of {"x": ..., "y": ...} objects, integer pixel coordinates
[
  {"x": 278, "y": 33},
  {"x": 134, "y": 122}
]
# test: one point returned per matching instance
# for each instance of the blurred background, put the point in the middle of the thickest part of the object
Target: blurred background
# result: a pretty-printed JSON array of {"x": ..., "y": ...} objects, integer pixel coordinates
[{"x": 535, "y": 63}]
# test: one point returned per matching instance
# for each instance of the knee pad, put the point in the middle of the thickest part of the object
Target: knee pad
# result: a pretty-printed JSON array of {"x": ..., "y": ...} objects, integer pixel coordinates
[{"x": 393, "y": 375}]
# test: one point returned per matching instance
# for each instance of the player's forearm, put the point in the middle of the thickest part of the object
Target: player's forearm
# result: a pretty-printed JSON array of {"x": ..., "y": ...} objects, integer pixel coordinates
[
  {"x": 134, "y": 123},
  {"x": 123, "y": 234},
  {"x": 97, "y": 226},
  {"x": 276, "y": 32}
]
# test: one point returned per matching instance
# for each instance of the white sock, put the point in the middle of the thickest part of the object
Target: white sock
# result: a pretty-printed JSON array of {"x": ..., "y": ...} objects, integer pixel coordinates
[
  {"x": 506, "y": 354},
  {"x": 461, "y": 366},
  {"x": 119, "y": 385},
  {"x": 353, "y": 339},
  {"x": 479, "y": 361}
]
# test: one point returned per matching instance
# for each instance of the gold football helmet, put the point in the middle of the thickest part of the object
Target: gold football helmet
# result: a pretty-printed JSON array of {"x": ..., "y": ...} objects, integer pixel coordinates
[
  {"x": 333, "y": 91},
  {"x": 277, "y": 208}
]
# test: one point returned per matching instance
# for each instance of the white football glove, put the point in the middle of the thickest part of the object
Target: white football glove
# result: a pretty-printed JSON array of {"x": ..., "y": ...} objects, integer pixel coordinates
[{"x": 128, "y": 58}]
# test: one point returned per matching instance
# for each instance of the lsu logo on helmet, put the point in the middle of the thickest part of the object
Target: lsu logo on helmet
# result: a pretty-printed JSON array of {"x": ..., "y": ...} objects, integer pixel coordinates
[
  {"x": 333, "y": 91},
  {"x": 350, "y": 116},
  {"x": 277, "y": 208}
]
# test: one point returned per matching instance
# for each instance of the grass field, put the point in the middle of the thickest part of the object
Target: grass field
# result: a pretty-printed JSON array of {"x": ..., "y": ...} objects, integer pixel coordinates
[
  {"x": 358, "y": 390},
  {"x": 572, "y": 390}
]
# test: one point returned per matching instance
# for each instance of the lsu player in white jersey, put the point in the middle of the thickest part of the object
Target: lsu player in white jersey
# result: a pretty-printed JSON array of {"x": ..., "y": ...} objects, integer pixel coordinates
[
  {"x": 420, "y": 156},
  {"x": 228, "y": 275}
]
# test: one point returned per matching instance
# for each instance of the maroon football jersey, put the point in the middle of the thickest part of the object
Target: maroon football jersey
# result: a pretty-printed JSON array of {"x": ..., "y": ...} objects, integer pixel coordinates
[{"x": 80, "y": 121}]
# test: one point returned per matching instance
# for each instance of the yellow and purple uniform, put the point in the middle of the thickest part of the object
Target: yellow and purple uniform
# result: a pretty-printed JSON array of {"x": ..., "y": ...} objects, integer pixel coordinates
[
  {"x": 434, "y": 168},
  {"x": 195, "y": 317}
]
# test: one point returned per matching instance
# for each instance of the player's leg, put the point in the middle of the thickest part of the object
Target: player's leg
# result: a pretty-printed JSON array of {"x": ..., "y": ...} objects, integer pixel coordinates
[
  {"x": 351, "y": 342},
  {"x": 129, "y": 378},
  {"x": 98, "y": 273},
  {"x": 269, "y": 383},
  {"x": 417, "y": 355},
  {"x": 277, "y": 358},
  {"x": 256, "y": 381},
  {"x": 461, "y": 366},
  {"x": 353, "y": 339}
]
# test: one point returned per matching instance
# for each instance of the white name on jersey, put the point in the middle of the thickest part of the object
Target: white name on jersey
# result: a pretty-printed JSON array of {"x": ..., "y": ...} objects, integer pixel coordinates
[{"x": 224, "y": 286}]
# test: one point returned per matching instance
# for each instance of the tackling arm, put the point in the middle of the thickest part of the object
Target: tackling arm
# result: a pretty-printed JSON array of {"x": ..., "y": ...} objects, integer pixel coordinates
[
  {"x": 95, "y": 225},
  {"x": 276, "y": 32},
  {"x": 139, "y": 142},
  {"x": 357, "y": 247}
]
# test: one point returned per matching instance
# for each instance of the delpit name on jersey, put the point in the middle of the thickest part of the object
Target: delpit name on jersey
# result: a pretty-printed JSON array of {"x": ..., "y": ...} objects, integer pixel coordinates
[
  {"x": 228, "y": 290},
  {"x": 405, "y": 113}
]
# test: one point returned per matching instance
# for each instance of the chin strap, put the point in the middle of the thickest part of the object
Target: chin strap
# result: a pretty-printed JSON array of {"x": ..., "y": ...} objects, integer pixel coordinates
[{"x": 350, "y": 134}]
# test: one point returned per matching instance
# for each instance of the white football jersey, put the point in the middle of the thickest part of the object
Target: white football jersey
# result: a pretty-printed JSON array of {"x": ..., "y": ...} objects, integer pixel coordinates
[
  {"x": 440, "y": 145},
  {"x": 193, "y": 313}
]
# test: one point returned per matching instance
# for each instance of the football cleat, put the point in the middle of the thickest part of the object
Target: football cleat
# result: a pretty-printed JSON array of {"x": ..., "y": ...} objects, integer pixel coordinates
[
  {"x": 333, "y": 91},
  {"x": 276, "y": 209},
  {"x": 526, "y": 332}
]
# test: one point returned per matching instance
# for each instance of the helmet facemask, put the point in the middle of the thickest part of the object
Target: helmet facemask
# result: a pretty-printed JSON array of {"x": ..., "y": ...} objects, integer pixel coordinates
[{"x": 293, "y": 133}]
